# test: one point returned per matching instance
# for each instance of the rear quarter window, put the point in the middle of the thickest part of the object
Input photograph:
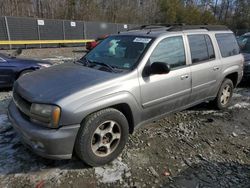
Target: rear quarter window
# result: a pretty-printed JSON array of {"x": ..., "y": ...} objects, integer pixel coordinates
[{"x": 228, "y": 44}]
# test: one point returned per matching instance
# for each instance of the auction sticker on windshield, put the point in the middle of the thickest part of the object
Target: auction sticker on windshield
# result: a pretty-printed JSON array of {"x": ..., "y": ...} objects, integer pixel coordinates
[{"x": 142, "y": 40}]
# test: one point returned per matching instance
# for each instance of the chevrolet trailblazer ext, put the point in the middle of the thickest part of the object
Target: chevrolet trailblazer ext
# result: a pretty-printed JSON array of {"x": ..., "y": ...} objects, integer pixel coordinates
[{"x": 90, "y": 106}]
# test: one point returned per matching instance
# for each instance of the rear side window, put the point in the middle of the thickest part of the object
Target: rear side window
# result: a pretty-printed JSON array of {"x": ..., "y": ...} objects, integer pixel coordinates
[
  {"x": 210, "y": 47},
  {"x": 227, "y": 44},
  {"x": 244, "y": 43},
  {"x": 201, "y": 48}
]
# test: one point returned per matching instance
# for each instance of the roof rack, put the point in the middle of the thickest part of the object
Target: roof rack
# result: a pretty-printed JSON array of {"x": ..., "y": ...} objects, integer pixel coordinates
[
  {"x": 156, "y": 26},
  {"x": 181, "y": 27},
  {"x": 191, "y": 27}
]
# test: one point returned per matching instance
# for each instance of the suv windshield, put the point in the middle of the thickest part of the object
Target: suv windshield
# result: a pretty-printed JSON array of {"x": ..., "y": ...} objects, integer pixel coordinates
[
  {"x": 120, "y": 52},
  {"x": 244, "y": 43}
]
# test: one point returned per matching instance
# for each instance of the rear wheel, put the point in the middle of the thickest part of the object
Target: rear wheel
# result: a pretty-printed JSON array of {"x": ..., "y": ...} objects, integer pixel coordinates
[
  {"x": 224, "y": 95},
  {"x": 102, "y": 137}
]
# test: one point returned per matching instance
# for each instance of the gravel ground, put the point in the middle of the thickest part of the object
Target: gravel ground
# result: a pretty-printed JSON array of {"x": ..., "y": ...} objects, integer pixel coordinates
[
  {"x": 198, "y": 147},
  {"x": 70, "y": 52},
  {"x": 54, "y": 55}
]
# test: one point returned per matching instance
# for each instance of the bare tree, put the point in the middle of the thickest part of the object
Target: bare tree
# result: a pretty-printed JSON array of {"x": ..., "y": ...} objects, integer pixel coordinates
[{"x": 235, "y": 13}]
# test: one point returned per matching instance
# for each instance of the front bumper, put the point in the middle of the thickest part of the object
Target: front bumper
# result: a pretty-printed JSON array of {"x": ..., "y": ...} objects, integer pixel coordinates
[{"x": 46, "y": 142}]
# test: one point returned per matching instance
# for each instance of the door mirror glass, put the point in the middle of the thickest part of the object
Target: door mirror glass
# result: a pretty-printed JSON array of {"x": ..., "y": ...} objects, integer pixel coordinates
[{"x": 159, "y": 68}]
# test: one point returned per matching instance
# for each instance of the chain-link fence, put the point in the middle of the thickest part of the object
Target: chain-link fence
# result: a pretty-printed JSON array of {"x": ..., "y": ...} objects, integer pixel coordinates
[{"x": 18, "y": 28}]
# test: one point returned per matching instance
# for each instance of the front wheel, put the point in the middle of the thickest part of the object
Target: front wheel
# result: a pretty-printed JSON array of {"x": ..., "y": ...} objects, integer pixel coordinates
[
  {"x": 102, "y": 137},
  {"x": 25, "y": 72},
  {"x": 224, "y": 95}
]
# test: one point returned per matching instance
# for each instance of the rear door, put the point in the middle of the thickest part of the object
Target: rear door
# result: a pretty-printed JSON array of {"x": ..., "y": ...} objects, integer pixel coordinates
[{"x": 205, "y": 67}]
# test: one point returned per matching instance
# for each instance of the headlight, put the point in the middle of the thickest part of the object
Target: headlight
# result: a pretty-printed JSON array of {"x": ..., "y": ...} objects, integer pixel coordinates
[{"x": 46, "y": 114}]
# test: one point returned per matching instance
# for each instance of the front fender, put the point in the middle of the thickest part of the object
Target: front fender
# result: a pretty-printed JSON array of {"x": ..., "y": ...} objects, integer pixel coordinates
[
  {"x": 20, "y": 70},
  {"x": 76, "y": 116}
]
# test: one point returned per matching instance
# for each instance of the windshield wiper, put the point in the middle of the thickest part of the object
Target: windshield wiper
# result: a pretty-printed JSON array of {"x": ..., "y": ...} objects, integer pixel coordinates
[
  {"x": 103, "y": 64},
  {"x": 85, "y": 62}
]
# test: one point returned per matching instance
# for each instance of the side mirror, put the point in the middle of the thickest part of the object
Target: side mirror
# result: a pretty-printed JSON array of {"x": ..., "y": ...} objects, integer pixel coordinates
[{"x": 159, "y": 68}]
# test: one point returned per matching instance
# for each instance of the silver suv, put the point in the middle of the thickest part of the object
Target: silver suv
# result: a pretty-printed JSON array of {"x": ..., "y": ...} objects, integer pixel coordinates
[{"x": 90, "y": 106}]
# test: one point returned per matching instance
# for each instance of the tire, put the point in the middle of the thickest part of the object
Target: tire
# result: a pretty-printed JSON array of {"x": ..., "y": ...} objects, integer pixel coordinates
[
  {"x": 220, "y": 103},
  {"x": 96, "y": 136},
  {"x": 25, "y": 72}
]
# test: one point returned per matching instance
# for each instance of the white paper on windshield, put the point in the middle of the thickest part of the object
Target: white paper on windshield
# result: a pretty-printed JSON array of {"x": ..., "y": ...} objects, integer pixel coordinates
[{"x": 142, "y": 40}]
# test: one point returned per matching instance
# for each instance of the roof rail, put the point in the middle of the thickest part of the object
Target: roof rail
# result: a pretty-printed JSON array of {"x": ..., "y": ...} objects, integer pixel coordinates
[
  {"x": 191, "y": 27},
  {"x": 181, "y": 27},
  {"x": 156, "y": 26}
]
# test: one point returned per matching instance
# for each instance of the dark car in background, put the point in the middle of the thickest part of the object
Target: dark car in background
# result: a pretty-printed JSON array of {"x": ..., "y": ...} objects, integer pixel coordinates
[
  {"x": 91, "y": 45},
  {"x": 11, "y": 68},
  {"x": 244, "y": 43}
]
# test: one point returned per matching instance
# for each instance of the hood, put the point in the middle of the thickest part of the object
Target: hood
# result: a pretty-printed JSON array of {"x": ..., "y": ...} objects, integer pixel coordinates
[
  {"x": 54, "y": 83},
  {"x": 29, "y": 61}
]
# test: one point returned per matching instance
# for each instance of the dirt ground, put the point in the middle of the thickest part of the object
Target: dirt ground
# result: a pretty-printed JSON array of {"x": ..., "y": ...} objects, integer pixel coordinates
[{"x": 198, "y": 147}]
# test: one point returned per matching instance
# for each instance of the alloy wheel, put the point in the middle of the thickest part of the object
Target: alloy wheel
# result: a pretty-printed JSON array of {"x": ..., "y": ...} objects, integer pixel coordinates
[
  {"x": 106, "y": 138},
  {"x": 225, "y": 95}
]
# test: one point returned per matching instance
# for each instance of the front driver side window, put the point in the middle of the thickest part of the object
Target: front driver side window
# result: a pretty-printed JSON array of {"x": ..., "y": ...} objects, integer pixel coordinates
[{"x": 170, "y": 50}]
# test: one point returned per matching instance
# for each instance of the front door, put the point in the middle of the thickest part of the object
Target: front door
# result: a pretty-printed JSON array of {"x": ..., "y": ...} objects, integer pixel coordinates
[{"x": 163, "y": 93}]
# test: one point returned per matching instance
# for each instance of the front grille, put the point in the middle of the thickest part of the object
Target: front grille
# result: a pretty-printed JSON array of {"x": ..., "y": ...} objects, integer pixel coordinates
[
  {"x": 22, "y": 104},
  {"x": 24, "y": 107}
]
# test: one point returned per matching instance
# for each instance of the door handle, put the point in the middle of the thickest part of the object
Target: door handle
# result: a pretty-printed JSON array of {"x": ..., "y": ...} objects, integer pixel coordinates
[
  {"x": 184, "y": 77},
  {"x": 216, "y": 68}
]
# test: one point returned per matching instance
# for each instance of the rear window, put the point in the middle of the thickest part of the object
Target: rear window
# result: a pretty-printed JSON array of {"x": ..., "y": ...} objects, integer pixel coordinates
[
  {"x": 244, "y": 43},
  {"x": 227, "y": 44}
]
